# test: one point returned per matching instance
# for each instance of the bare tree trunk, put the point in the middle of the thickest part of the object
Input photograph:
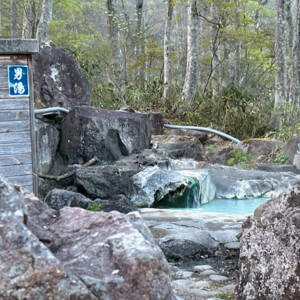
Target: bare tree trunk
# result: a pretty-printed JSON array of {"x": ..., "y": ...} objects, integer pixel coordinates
[
  {"x": 293, "y": 11},
  {"x": 44, "y": 22},
  {"x": 192, "y": 65},
  {"x": 167, "y": 35},
  {"x": 29, "y": 20},
  {"x": 216, "y": 62},
  {"x": 14, "y": 18},
  {"x": 280, "y": 77},
  {"x": 0, "y": 18},
  {"x": 141, "y": 38},
  {"x": 112, "y": 29},
  {"x": 296, "y": 55},
  {"x": 238, "y": 48}
]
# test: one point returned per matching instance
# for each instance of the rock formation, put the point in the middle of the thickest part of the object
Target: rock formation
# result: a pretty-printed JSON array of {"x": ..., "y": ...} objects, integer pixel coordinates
[
  {"x": 58, "y": 79},
  {"x": 76, "y": 254},
  {"x": 270, "y": 250},
  {"x": 109, "y": 135}
]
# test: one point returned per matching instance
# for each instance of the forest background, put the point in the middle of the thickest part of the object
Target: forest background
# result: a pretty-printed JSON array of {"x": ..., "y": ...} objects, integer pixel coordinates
[{"x": 233, "y": 65}]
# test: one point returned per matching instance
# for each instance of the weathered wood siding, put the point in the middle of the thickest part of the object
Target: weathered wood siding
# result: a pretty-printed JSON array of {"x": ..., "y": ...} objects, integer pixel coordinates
[{"x": 15, "y": 129}]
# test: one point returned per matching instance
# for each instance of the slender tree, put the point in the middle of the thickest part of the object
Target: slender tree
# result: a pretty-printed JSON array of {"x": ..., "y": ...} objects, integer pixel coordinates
[
  {"x": 29, "y": 22},
  {"x": 238, "y": 47},
  {"x": 192, "y": 62},
  {"x": 167, "y": 36},
  {"x": 140, "y": 32},
  {"x": 14, "y": 18},
  {"x": 112, "y": 30},
  {"x": 0, "y": 18},
  {"x": 280, "y": 58},
  {"x": 44, "y": 21}
]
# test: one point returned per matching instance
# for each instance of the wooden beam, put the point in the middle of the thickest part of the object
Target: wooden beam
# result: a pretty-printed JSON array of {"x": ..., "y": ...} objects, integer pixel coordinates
[
  {"x": 14, "y": 115},
  {"x": 16, "y": 159},
  {"x": 9, "y": 171},
  {"x": 15, "y": 148},
  {"x": 14, "y": 126},
  {"x": 14, "y": 104}
]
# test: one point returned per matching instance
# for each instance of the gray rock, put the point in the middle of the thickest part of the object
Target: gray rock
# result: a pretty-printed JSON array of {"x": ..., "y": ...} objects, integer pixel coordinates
[
  {"x": 262, "y": 148},
  {"x": 232, "y": 182},
  {"x": 28, "y": 269},
  {"x": 200, "y": 135},
  {"x": 57, "y": 199},
  {"x": 229, "y": 287},
  {"x": 218, "y": 155},
  {"x": 207, "y": 272},
  {"x": 106, "y": 249},
  {"x": 270, "y": 250},
  {"x": 179, "y": 146},
  {"x": 119, "y": 203},
  {"x": 106, "y": 181},
  {"x": 202, "y": 268},
  {"x": 58, "y": 79},
  {"x": 184, "y": 274},
  {"x": 181, "y": 249},
  {"x": 113, "y": 179},
  {"x": 76, "y": 254},
  {"x": 159, "y": 187},
  {"x": 89, "y": 132},
  {"x": 184, "y": 236},
  {"x": 291, "y": 147},
  {"x": 218, "y": 278},
  {"x": 157, "y": 123}
]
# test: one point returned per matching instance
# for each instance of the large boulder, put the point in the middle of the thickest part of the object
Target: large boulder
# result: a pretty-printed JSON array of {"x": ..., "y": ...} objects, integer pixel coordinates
[
  {"x": 157, "y": 187},
  {"x": 89, "y": 132},
  {"x": 58, "y": 198},
  {"x": 105, "y": 181},
  {"x": 58, "y": 79},
  {"x": 270, "y": 250},
  {"x": 28, "y": 269},
  {"x": 192, "y": 235},
  {"x": 232, "y": 182},
  {"x": 263, "y": 149},
  {"x": 179, "y": 146},
  {"x": 109, "y": 180},
  {"x": 118, "y": 202},
  {"x": 76, "y": 254}
]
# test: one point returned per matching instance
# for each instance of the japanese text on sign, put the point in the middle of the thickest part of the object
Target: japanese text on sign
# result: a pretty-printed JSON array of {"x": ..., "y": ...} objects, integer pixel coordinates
[{"x": 18, "y": 80}]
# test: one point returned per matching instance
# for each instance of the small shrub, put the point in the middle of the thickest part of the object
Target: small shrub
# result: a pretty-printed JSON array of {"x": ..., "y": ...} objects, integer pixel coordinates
[
  {"x": 281, "y": 159},
  {"x": 239, "y": 158},
  {"x": 226, "y": 295},
  {"x": 94, "y": 207},
  {"x": 210, "y": 148}
]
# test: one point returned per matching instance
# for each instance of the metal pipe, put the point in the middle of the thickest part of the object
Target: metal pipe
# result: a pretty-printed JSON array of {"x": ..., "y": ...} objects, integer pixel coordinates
[
  {"x": 50, "y": 109},
  {"x": 203, "y": 129}
]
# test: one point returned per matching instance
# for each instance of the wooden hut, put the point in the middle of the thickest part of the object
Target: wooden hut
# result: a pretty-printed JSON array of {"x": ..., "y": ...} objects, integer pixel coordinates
[{"x": 17, "y": 147}]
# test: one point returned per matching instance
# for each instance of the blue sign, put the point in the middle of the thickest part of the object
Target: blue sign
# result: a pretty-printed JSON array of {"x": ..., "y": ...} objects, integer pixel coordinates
[{"x": 18, "y": 80}]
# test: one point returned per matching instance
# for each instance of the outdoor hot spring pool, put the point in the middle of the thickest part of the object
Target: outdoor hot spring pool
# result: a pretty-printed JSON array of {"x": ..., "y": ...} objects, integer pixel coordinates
[
  {"x": 233, "y": 206},
  {"x": 230, "y": 206}
]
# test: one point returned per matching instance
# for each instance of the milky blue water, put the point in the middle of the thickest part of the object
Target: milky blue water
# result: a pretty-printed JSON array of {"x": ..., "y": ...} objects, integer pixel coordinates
[{"x": 233, "y": 206}]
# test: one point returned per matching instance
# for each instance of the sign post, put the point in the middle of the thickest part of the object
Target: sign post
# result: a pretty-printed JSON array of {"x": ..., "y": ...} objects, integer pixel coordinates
[{"x": 17, "y": 143}]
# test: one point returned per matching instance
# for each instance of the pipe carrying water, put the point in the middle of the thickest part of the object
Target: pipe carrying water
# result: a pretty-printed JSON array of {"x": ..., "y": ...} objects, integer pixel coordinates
[{"x": 206, "y": 129}]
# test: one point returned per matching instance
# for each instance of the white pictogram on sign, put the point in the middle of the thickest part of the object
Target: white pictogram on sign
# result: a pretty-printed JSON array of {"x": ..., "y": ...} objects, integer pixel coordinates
[
  {"x": 18, "y": 74},
  {"x": 19, "y": 88}
]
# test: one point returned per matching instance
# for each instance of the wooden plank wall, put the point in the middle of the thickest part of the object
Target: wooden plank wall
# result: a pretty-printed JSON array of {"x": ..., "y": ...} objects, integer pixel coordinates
[{"x": 15, "y": 129}]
